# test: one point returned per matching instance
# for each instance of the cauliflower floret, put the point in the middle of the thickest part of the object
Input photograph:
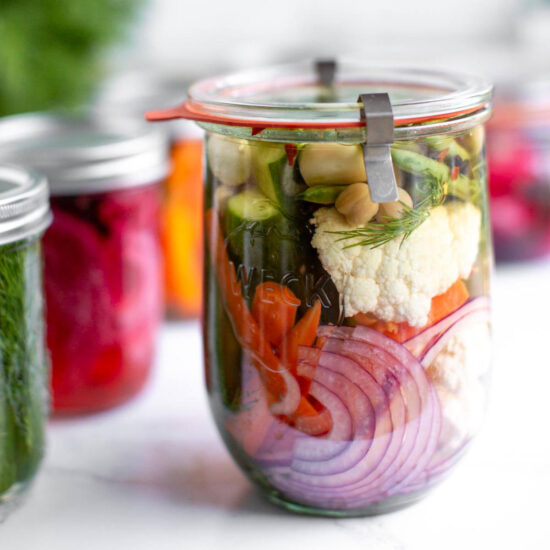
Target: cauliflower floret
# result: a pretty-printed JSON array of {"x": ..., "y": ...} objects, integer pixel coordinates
[
  {"x": 396, "y": 282},
  {"x": 456, "y": 372},
  {"x": 462, "y": 414},
  {"x": 466, "y": 357}
]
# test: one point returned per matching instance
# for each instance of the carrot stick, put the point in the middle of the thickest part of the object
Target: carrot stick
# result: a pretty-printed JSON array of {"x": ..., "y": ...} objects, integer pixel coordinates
[
  {"x": 442, "y": 305},
  {"x": 250, "y": 336},
  {"x": 309, "y": 420},
  {"x": 303, "y": 333},
  {"x": 455, "y": 296},
  {"x": 246, "y": 328},
  {"x": 274, "y": 309}
]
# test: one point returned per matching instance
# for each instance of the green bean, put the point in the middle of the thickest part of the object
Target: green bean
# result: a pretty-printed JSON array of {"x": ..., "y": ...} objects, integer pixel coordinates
[
  {"x": 446, "y": 142},
  {"x": 322, "y": 194}
]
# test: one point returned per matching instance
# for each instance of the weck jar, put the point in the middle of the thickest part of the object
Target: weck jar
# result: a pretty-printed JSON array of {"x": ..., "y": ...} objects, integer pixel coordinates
[
  {"x": 24, "y": 215},
  {"x": 346, "y": 316},
  {"x": 103, "y": 259}
]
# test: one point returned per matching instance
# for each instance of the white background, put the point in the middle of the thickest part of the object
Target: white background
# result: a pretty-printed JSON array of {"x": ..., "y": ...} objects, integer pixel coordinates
[{"x": 204, "y": 37}]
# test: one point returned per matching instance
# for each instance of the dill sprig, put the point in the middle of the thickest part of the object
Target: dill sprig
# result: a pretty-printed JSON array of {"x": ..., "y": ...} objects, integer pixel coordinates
[{"x": 376, "y": 234}]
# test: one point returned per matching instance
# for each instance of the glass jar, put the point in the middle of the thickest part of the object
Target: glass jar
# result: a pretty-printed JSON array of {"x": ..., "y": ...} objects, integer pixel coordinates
[
  {"x": 346, "y": 341},
  {"x": 103, "y": 261},
  {"x": 518, "y": 150},
  {"x": 128, "y": 97},
  {"x": 24, "y": 215}
]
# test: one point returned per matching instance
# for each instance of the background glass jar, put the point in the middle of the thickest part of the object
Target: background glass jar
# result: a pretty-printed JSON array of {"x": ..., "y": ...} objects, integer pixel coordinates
[
  {"x": 103, "y": 261},
  {"x": 24, "y": 215},
  {"x": 128, "y": 97},
  {"x": 346, "y": 342},
  {"x": 518, "y": 148}
]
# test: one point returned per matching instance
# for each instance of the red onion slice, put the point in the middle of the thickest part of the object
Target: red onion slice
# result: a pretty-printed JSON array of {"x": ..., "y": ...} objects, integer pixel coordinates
[
  {"x": 374, "y": 363},
  {"x": 419, "y": 344},
  {"x": 277, "y": 448},
  {"x": 415, "y": 385},
  {"x": 416, "y": 449},
  {"x": 395, "y": 380},
  {"x": 385, "y": 424},
  {"x": 341, "y": 433},
  {"x": 325, "y": 382},
  {"x": 477, "y": 316}
]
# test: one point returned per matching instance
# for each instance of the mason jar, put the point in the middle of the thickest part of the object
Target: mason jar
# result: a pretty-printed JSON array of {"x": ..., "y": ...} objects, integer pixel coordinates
[
  {"x": 127, "y": 97},
  {"x": 346, "y": 315},
  {"x": 24, "y": 215},
  {"x": 518, "y": 150},
  {"x": 103, "y": 259}
]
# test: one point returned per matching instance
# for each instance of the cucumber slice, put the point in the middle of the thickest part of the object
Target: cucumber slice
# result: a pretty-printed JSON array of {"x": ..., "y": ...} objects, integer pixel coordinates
[
  {"x": 264, "y": 242},
  {"x": 250, "y": 206},
  {"x": 251, "y": 223},
  {"x": 268, "y": 162}
]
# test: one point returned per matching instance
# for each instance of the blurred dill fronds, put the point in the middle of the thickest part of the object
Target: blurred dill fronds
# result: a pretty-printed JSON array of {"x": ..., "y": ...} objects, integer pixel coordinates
[{"x": 52, "y": 51}]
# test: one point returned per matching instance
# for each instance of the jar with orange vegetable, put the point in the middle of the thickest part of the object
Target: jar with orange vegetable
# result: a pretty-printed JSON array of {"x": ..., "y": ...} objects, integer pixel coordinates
[{"x": 346, "y": 326}]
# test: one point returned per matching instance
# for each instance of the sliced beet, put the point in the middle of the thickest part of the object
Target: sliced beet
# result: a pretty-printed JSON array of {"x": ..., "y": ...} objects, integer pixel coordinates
[{"x": 79, "y": 321}]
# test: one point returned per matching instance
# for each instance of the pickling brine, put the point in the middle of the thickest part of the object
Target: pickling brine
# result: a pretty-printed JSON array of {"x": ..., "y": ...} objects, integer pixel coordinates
[{"x": 347, "y": 341}]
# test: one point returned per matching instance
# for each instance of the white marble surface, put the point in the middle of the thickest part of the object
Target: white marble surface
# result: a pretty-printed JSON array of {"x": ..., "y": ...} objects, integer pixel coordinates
[{"x": 154, "y": 474}]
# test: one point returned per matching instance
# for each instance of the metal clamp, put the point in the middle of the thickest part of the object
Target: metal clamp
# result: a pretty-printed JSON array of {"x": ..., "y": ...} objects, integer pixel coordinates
[
  {"x": 326, "y": 71},
  {"x": 377, "y": 113}
]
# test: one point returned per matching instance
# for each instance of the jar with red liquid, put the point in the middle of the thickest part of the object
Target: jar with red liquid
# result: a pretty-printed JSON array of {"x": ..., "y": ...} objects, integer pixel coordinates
[
  {"x": 518, "y": 151},
  {"x": 103, "y": 261},
  {"x": 128, "y": 97}
]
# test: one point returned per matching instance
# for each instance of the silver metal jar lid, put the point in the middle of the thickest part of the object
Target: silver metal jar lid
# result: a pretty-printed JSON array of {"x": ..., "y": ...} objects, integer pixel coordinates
[
  {"x": 24, "y": 204},
  {"x": 84, "y": 155}
]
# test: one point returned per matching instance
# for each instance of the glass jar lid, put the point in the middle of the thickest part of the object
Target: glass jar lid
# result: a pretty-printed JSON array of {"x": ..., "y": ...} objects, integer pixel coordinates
[
  {"x": 296, "y": 96},
  {"x": 84, "y": 155},
  {"x": 24, "y": 204}
]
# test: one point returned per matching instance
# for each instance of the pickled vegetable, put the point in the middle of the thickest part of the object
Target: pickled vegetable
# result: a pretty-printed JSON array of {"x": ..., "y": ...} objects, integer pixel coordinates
[
  {"x": 182, "y": 230},
  {"x": 349, "y": 315},
  {"x": 103, "y": 293},
  {"x": 23, "y": 368}
]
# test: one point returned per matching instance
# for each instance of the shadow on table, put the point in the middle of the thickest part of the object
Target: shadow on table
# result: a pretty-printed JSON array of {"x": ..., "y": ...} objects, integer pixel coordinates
[
  {"x": 197, "y": 474},
  {"x": 209, "y": 479}
]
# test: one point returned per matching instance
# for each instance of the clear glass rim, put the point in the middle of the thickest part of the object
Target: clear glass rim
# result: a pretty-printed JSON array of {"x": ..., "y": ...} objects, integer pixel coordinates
[{"x": 237, "y": 100}]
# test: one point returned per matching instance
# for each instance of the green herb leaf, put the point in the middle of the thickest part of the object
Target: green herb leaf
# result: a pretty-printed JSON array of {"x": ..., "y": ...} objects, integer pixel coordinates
[{"x": 375, "y": 234}]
